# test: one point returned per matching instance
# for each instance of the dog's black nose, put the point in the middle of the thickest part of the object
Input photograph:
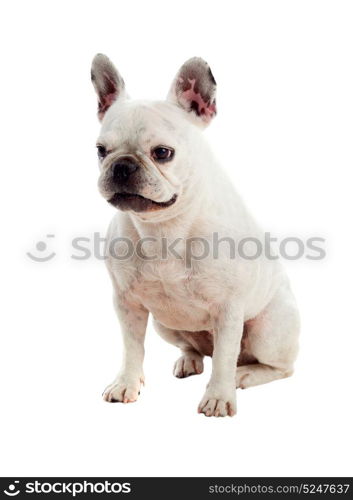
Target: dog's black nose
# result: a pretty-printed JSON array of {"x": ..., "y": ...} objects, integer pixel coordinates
[{"x": 123, "y": 168}]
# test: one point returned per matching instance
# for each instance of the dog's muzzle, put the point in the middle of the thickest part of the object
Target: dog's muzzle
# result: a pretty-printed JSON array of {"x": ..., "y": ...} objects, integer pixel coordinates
[{"x": 125, "y": 178}]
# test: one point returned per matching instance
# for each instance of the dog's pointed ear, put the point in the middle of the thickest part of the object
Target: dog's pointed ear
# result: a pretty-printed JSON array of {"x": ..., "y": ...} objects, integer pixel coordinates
[
  {"x": 194, "y": 89},
  {"x": 107, "y": 82}
]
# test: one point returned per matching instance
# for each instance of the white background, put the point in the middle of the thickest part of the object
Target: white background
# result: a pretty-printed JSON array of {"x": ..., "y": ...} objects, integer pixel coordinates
[{"x": 283, "y": 132}]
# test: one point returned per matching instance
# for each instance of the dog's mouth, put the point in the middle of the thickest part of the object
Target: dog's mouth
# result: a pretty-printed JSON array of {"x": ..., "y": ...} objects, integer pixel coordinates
[{"x": 138, "y": 203}]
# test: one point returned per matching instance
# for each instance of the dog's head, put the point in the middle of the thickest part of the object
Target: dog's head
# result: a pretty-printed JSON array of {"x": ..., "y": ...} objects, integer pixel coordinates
[{"x": 148, "y": 151}]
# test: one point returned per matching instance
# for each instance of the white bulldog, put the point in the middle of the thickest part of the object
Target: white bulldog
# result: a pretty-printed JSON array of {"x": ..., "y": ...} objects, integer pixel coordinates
[{"x": 175, "y": 205}]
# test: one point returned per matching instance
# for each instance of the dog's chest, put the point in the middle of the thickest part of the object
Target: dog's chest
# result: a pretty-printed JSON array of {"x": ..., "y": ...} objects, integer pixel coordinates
[{"x": 173, "y": 297}]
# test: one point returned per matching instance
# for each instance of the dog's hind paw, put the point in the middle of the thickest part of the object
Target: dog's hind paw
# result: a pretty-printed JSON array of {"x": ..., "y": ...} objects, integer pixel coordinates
[{"x": 190, "y": 363}]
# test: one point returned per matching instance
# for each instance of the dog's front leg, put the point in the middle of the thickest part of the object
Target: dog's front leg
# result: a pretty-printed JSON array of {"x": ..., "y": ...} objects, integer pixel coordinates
[
  {"x": 219, "y": 398},
  {"x": 133, "y": 321}
]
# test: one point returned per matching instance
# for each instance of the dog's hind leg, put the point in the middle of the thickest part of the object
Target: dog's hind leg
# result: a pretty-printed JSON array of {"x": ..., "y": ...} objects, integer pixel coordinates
[
  {"x": 258, "y": 373},
  {"x": 272, "y": 339},
  {"x": 193, "y": 345}
]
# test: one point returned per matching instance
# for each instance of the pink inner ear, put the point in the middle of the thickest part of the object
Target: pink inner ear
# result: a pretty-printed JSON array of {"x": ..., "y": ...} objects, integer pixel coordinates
[
  {"x": 109, "y": 99},
  {"x": 198, "y": 104},
  {"x": 106, "y": 100},
  {"x": 104, "y": 104}
]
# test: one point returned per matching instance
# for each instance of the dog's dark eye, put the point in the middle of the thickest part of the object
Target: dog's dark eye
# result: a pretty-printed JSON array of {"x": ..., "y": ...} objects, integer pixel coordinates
[
  {"x": 102, "y": 152},
  {"x": 162, "y": 153}
]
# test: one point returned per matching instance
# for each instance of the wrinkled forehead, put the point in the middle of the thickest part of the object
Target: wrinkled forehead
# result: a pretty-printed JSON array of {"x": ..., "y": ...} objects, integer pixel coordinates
[{"x": 142, "y": 125}]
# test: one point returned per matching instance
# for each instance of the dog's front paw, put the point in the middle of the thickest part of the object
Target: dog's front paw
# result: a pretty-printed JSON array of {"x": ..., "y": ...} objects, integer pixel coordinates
[
  {"x": 217, "y": 403},
  {"x": 124, "y": 389},
  {"x": 190, "y": 363}
]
